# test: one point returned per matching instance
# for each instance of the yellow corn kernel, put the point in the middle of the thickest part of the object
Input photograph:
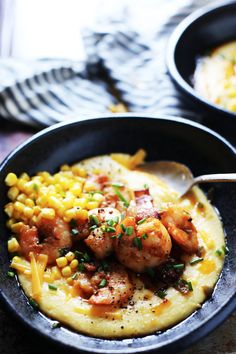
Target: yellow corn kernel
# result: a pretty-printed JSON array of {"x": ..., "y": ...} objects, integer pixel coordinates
[
  {"x": 89, "y": 186},
  {"x": 47, "y": 213},
  {"x": 11, "y": 179},
  {"x": 21, "y": 198},
  {"x": 28, "y": 212},
  {"x": 65, "y": 168},
  {"x": 13, "y": 193},
  {"x": 68, "y": 202},
  {"x": 70, "y": 281},
  {"x": 56, "y": 274},
  {"x": 16, "y": 214},
  {"x": 10, "y": 222},
  {"x": 13, "y": 245},
  {"x": 76, "y": 189},
  {"x": 18, "y": 206},
  {"x": 55, "y": 203},
  {"x": 70, "y": 214},
  {"x": 92, "y": 205},
  {"x": 47, "y": 277},
  {"x": 16, "y": 227},
  {"x": 25, "y": 176},
  {"x": 74, "y": 264},
  {"x": 31, "y": 187},
  {"x": 36, "y": 210},
  {"x": 21, "y": 184},
  {"x": 29, "y": 202},
  {"x": 80, "y": 202},
  {"x": 61, "y": 262},
  {"x": 98, "y": 197},
  {"x": 9, "y": 208},
  {"x": 66, "y": 271},
  {"x": 79, "y": 171},
  {"x": 70, "y": 256},
  {"x": 82, "y": 214}
]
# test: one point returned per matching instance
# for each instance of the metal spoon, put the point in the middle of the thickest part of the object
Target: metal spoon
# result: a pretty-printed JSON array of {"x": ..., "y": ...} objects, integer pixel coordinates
[{"x": 180, "y": 178}]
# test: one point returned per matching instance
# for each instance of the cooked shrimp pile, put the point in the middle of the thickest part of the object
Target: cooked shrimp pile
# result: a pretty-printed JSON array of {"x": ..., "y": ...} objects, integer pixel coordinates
[{"x": 92, "y": 231}]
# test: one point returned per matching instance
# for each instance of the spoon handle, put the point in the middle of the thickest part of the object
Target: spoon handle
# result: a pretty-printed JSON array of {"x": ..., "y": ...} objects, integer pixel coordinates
[{"x": 219, "y": 177}]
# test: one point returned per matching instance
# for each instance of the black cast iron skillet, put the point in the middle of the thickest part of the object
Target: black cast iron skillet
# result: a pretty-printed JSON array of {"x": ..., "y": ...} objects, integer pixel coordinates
[
  {"x": 164, "y": 138},
  {"x": 203, "y": 30}
]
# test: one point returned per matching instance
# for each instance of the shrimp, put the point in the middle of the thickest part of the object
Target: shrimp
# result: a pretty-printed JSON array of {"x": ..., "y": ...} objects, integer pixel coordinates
[
  {"x": 140, "y": 246},
  {"x": 47, "y": 237},
  {"x": 181, "y": 228},
  {"x": 100, "y": 241},
  {"x": 117, "y": 287}
]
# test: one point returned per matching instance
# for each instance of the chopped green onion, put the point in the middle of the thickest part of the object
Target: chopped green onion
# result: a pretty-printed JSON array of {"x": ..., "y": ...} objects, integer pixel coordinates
[
  {"x": 78, "y": 254},
  {"x": 121, "y": 197},
  {"x": 119, "y": 236},
  {"x": 138, "y": 243},
  {"x": 93, "y": 227},
  {"x": 141, "y": 221},
  {"x": 144, "y": 236},
  {"x": 190, "y": 286},
  {"x": 86, "y": 257},
  {"x": 102, "y": 283},
  {"x": 195, "y": 261},
  {"x": 178, "y": 266},
  {"x": 10, "y": 274},
  {"x": 146, "y": 186},
  {"x": 81, "y": 267},
  {"x": 118, "y": 184},
  {"x": 225, "y": 249},
  {"x": 94, "y": 219},
  {"x": 63, "y": 251},
  {"x": 123, "y": 228},
  {"x": 33, "y": 303},
  {"x": 161, "y": 293},
  {"x": 74, "y": 232},
  {"x": 219, "y": 253},
  {"x": 35, "y": 187},
  {"x": 74, "y": 276},
  {"x": 52, "y": 287},
  {"x": 114, "y": 236},
  {"x": 56, "y": 324},
  {"x": 129, "y": 230},
  {"x": 110, "y": 229}
]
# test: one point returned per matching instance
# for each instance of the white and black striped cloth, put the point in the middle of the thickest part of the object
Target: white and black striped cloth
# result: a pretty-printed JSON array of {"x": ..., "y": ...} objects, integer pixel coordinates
[{"x": 45, "y": 92}]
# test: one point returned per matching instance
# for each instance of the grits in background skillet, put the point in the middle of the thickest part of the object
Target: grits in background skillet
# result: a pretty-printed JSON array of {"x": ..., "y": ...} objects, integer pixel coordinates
[
  {"x": 109, "y": 249},
  {"x": 215, "y": 76}
]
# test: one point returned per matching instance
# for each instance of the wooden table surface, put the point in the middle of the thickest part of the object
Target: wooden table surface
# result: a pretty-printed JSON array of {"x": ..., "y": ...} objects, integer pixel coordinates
[{"x": 14, "y": 339}]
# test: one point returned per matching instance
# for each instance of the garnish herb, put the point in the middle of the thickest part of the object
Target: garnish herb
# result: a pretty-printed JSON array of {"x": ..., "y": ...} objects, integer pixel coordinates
[
  {"x": 93, "y": 227},
  {"x": 33, "y": 303},
  {"x": 178, "y": 266},
  {"x": 74, "y": 232},
  {"x": 200, "y": 205},
  {"x": 195, "y": 261},
  {"x": 190, "y": 286},
  {"x": 110, "y": 229},
  {"x": 86, "y": 257},
  {"x": 219, "y": 253},
  {"x": 63, "y": 251},
  {"x": 10, "y": 274},
  {"x": 52, "y": 287},
  {"x": 141, "y": 221},
  {"x": 117, "y": 184},
  {"x": 102, "y": 283},
  {"x": 35, "y": 187},
  {"x": 138, "y": 243},
  {"x": 56, "y": 325},
  {"x": 129, "y": 230},
  {"x": 74, "y": 276},
  {"x": 121, "y": 197},
  {"x": 144, "y": 236},
  {"x": 81, "y": 267},
  {"x": 161, "y": 293},
  {"x": 146, "y": 186},
  {"x": 225, "y": 249},
  {"x": 114, "y": 236},
  {"x": 123, "y": 228},
  {"x": 94, "y": 219},
  {"x": 119, "y": 236}
]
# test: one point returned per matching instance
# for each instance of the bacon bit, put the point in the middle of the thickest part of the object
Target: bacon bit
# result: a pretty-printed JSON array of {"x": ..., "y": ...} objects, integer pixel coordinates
[{"x": 145, "y": 206}]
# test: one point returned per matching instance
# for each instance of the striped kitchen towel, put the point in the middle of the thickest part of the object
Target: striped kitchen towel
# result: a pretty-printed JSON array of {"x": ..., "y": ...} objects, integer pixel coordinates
[{"x": 125, "y": 69}]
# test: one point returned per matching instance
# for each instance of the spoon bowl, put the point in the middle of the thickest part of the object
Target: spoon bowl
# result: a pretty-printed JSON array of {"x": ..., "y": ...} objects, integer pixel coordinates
[{"x": 180, "y": 178}]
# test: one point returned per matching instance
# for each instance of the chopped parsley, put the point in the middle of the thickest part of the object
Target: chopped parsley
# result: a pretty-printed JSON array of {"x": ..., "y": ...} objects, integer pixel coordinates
[{"x": 161, "y": 293}]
